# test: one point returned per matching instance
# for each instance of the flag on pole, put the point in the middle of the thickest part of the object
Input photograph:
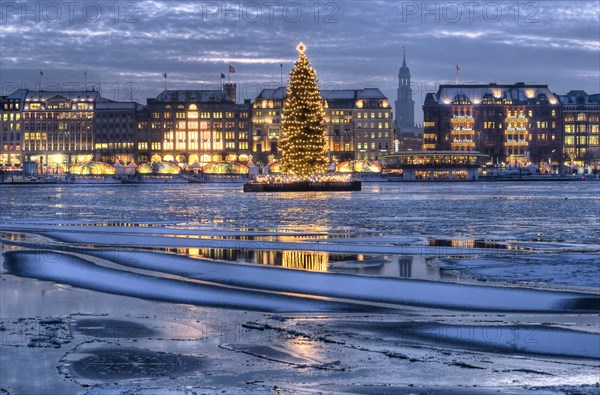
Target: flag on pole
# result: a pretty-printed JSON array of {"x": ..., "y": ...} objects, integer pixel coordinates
[
  {"x": 457, "y": 68},
  {"x": 41, "y": 73},
  {"x": 231, "y": 69},
  {"x": 222, "y": 75},
  {"x": 164, "y": 75}
]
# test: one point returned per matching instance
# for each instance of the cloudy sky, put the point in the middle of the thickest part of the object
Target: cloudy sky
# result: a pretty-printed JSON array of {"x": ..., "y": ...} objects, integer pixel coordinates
[{"x": 126, "y": 46}]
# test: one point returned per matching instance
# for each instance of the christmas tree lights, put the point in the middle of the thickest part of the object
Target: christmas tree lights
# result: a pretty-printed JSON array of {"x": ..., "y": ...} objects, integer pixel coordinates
[{"x": 303, "y": 144}]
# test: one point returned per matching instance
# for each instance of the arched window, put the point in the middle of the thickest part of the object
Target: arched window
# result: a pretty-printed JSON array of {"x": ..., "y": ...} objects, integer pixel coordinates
[
  {"x": 581, "y": 117},
  {"x": 569, "y": 118}
]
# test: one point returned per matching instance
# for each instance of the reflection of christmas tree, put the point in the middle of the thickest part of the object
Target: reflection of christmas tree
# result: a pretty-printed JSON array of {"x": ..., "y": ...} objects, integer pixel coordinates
[{"x": 304, "y": 143}]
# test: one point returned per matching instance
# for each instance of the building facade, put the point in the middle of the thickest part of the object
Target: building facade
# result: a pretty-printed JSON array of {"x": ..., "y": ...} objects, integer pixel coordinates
[
  {"x": 188, "y": 126},
  {"x": 116, "y": 131},
  {"x": 516, "y": 124},
  {"x": 581, "y": 128},
  {"x": 56, "y": 127},
  {"x": 358, "y": 123},
  {"x": 11, "y": 143}
]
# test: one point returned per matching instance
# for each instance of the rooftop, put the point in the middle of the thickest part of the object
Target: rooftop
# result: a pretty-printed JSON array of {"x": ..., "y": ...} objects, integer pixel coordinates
[
  {"x": 328, "y": 94},
  {"x": 519, "y": 93},
  {"x": 193, "y": 96},
  {"x": 27, "y": 95}
]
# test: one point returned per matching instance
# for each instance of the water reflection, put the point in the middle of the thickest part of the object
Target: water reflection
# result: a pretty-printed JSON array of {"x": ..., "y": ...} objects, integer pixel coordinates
[
  {"x": 472, "y": 243},
  {"x": 398, "y": 266}
]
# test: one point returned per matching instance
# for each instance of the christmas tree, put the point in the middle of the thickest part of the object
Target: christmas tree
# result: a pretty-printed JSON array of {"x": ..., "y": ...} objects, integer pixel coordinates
[{"x": 303, "y": 143}]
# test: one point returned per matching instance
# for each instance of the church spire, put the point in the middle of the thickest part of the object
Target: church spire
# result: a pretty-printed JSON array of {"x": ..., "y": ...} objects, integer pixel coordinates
[{"x": 403, "y": 56}]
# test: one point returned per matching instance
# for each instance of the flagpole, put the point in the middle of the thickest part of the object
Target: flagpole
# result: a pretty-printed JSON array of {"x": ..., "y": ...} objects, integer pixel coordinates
[
  {"x": 85, "y": 81},
  {"x": 281, "y": 72}
]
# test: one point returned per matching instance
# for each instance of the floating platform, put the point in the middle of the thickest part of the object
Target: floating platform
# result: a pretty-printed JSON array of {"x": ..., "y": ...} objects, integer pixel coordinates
[{"x": 303, "y": 186}]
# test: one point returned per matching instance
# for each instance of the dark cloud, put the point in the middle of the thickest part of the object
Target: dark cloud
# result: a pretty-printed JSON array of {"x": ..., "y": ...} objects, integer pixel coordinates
[{"x": 127, "y": 46}]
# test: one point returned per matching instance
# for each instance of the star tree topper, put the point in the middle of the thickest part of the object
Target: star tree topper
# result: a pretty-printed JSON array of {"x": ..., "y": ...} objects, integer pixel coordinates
[{"x": 301, "y": 48}]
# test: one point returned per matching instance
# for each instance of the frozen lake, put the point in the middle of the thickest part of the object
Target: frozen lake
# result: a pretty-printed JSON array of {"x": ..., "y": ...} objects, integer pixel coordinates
[
  {"x": 454, "y": 287},
  {"x": 539, "y": 211},
  {"x": 555, "y": 224}
]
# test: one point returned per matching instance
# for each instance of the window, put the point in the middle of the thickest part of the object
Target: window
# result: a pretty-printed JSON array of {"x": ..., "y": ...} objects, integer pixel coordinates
[{"x": 581, "y": 117}]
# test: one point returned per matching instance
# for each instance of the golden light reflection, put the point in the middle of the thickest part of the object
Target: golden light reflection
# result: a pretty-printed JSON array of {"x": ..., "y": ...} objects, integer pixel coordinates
[
  {"x": 304, "y": 260},
  {"x": 315, "y": 261}
]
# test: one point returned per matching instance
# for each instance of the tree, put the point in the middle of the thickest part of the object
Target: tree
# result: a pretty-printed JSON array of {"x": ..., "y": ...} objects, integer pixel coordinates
[{"x": 303, "y": 144}]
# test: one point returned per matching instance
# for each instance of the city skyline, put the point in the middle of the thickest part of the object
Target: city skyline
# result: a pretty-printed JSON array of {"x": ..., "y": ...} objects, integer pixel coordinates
[{"x": 535, "y": 42}]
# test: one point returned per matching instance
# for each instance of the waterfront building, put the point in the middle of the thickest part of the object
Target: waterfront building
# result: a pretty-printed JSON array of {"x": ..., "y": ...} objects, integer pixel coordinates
[
  {"x": 188, "y": 126},
  {"x": 433, "y": 166},
  {"x": 358, "y": 123},
  {"x": 116, "y": 131},
  {"x": 56, "y": 127},
  {"x": 581, "y": 113},
  {"x": 11, "y": 143},
  {"x": 516, "y": 124}
]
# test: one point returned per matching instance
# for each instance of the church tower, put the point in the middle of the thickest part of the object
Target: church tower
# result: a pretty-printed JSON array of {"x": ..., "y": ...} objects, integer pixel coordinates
[{"x": 405, "y": 106}]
